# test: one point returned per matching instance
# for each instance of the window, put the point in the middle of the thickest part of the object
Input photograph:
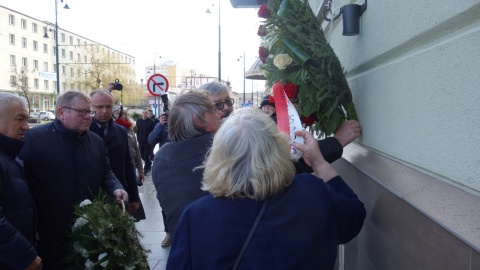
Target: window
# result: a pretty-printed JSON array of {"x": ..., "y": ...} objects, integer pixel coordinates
[
  {"x": 54, "y": 50},
  {"x": 55, "y": 85},
  {"x": 85, "y": 59},
  {"x": 79, "y": 72},
  {"x": 24, "y": 42},
  {"x": 45, "y": 84},
  {"x": 54, "y": 67},
  {"x": 24, "y": 62},
  {"x": 35, "y": 83},
  {"x": 63, "y": 53},
  {"x": 64, "y": 70},
  {"x": 11, "y": 19},
  {"x": 78, "y": 57},
  {"x": 62, "y": 36},
  {"x": 46, "y": 102},
  {"x": 34, "y": 27},
  {"x": 35, "y": 64},
  {"x": 13, "y": 80},
  {"x": 35, "y": 45},
  {"x": 78, "y": 42},
  {"x": 71, "y": 72},
  {"x": 45, "y": 66},
  {"x": 71, "y": 55},
  {"x": 45, "y": 31},
  {"x": 13, "y": 61},
  {"x": 11, "y": 38},
  {"x": 45, "y": 48},
  {"x": 71, "y": 40},
  {"x": 23, "y": 24}
]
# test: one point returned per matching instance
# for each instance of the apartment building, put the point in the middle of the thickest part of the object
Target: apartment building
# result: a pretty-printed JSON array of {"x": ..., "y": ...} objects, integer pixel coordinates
[{"x": 28, "y": 60}]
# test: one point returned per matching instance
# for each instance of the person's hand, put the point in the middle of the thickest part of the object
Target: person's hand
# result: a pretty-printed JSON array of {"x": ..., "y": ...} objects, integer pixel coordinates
[
  {"x": 110, "y": 87},
  {"x": 133, "y": 207},
  {"x": 121, "y": 195},
  {"x": 35, "y": 265},
  {"x": 313, "y": 157},
  {"x": 163, "y": 119},
  {"x": 141, "y": 177},
  {"x": 347, "y": 132}
]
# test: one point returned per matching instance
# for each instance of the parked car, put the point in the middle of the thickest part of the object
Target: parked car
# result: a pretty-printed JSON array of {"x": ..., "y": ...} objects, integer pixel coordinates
[{"x": 47, "y": 116}]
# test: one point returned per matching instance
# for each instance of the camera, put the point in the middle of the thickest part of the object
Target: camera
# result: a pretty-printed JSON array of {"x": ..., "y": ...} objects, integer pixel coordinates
[{"x": 117, "y": 85}]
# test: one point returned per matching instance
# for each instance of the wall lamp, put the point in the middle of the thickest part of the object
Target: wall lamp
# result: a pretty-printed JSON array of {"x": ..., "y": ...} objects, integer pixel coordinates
[{"x": 351, "y": 17}]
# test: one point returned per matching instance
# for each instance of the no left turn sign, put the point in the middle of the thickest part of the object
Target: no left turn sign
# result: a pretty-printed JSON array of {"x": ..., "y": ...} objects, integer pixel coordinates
[{"x": 157, "y": 85}]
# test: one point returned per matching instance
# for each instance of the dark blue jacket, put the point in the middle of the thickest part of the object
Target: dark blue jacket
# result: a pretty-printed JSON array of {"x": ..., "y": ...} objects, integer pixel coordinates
[
  {"x": 300, "y": 228},
  {"x": 17, "y": 210},
  {"x": 119, "y": 157},
  {"x": 158, "y": 135},
  {"x": 63, "y": 168}
]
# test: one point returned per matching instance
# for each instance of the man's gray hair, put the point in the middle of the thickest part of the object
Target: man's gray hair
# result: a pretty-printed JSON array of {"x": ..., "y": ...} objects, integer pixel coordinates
[
  {"x": 7, "y": 98},
  {"x": 185, "y": 107},
  {"x": 65, "y": 99},
  {"x": 213, "y": 88}
]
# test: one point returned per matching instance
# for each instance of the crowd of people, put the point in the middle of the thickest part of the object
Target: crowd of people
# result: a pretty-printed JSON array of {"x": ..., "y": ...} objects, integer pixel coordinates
[{"x": 219, "y": 174}]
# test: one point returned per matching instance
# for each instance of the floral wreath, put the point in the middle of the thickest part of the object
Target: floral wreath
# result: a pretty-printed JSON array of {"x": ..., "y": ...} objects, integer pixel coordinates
[{"x": 297, "y": 57}]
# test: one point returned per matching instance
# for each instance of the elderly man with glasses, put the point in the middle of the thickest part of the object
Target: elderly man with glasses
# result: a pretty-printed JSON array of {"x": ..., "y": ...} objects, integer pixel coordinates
[{"x": 65, "y": 163}]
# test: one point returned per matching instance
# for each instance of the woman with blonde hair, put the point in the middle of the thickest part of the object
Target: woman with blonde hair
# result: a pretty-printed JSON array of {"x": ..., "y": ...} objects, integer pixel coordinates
[{"x": 259, "y": 214}]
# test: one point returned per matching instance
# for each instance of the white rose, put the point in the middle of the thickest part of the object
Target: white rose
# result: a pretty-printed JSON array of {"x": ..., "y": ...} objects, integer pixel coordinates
[
  {"x": 85, "y": 202},
  {"x": 281, "y": 61}
]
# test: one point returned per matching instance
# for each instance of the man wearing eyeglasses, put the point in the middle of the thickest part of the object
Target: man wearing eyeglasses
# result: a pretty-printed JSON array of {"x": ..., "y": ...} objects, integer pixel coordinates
[
  {"x": 116, "y": 140},
  {"x": 65, "y": 164},
  {"x": 220, "y": 94}
]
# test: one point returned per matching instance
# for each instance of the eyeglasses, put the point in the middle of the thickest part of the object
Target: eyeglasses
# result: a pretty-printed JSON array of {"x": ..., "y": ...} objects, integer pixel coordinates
[
  {"x": 107, "y": 107},
  {"x": 220, "y": 105},
  {"x": 81, "y": 112}
]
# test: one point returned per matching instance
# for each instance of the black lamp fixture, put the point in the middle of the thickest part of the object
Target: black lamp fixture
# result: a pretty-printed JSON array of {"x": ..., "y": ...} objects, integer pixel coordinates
[
  {"x": 247, "y": 3},
  {"x": 351, "y": 17}
]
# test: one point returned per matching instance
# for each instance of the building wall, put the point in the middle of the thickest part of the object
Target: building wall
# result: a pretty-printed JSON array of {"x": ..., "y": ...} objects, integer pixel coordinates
[
  {"x": 414, "y": 75},
  {"x": 73, "y": 55}
]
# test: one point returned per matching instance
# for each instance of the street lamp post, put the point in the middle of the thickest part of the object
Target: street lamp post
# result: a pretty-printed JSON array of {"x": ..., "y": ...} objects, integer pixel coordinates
[
  {"x": 219, "y": 44},
  {"x": 244, "y": 77},
  {"x": 57, "y": 66}
]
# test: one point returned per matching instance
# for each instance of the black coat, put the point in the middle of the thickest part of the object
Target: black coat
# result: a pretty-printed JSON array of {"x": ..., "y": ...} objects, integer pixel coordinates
[
  {"x": 118, "y": 150},
  {"x": 144, "y": 127},
  {"x": 63, "y": 168},
  {"x": 17, "y": 210}
]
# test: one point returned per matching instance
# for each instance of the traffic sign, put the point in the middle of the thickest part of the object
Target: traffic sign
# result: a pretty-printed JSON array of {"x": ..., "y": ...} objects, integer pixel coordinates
[{"x": 157, "y": 85}]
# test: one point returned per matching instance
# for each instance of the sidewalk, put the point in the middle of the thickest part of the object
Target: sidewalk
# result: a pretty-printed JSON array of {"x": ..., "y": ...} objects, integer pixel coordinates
[{"x": 152, "y": 228}]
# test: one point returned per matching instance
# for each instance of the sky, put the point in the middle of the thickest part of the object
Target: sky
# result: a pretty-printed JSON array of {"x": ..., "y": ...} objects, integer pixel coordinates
[{"x": 162, "y": 30}]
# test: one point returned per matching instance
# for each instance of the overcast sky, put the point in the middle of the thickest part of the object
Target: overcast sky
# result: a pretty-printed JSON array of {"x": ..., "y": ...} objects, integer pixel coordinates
[{"x": 177, "y": 30}]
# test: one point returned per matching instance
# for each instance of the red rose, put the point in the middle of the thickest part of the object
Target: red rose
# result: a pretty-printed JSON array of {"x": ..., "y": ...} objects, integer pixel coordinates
[
  {"x": 271, "y": 99},
  {"x": 263, "y": 12},
  {"x": 263, "y": 54},
  {"x": 308, "y": 121},
  {"x": 262, "y": 31},
  {"x": 290, "y": 90}
]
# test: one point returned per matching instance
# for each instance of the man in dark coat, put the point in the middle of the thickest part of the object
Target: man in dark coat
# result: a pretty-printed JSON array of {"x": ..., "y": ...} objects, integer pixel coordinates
[
  {"x": 65, "y": 163},
  {"x": 194, "y": 120},
  {"x": 144, "y": 126},
  {"x": 17, "y": 209},
  {"x": 116, "y": 140}
]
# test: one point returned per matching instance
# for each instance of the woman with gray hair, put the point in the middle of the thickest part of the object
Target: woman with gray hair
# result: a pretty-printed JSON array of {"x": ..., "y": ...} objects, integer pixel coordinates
[
  {"x": 220, "y": 94},
  {"x": 298, "y": 220}
]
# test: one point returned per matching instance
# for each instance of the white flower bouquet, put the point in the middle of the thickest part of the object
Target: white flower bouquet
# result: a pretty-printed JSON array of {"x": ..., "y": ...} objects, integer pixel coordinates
[{"x": 104, "y": 237}]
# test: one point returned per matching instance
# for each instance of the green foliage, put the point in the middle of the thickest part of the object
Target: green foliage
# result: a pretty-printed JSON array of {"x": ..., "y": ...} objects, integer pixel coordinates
[
  {"x": 292, "y": 28},
  {"x": 104, "y": 237},
  {"x": 135, "y": 116}
]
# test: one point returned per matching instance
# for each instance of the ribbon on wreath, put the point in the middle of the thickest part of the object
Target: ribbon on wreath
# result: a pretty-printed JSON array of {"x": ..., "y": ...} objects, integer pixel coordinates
[{"x": 288, "y": 120}]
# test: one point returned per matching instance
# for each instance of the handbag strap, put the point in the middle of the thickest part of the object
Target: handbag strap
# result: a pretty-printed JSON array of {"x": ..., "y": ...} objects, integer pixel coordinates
[{"x": 250, "y": 234}]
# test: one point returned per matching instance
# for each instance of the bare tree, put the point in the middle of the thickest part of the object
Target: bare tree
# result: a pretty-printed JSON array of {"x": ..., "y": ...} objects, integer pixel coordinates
[
  {"x": 21, "y": 82},
  {"x": 102, "y": 69}
]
